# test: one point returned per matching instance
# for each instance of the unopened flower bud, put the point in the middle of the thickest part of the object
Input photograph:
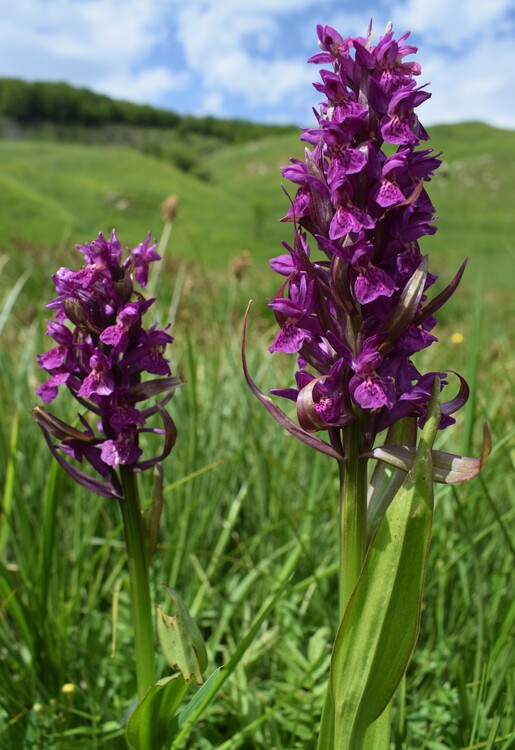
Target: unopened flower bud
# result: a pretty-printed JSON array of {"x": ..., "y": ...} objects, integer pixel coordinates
[
  {"x": 170, "y": 207},
  {"x": 240, "y": 265}
]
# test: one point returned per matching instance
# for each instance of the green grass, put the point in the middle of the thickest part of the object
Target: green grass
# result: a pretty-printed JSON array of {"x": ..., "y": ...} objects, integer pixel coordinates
[
  {"x": 241, "y": 496},
  {"x": 72, "y": 190},
  {"x": 90, "y": 188},
  {"x": 55, "y": 195}
]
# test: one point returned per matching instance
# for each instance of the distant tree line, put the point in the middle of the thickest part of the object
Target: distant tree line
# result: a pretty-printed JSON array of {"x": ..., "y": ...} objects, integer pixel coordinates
[{"x": 31, "y": 103}]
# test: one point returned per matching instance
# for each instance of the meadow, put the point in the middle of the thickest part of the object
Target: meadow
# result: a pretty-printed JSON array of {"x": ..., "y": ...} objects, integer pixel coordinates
[{"x": 247, "y": 508}]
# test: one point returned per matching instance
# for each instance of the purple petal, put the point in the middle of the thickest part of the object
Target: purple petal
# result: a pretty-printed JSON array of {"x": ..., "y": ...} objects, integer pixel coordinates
[
  {"x": 389, "y": 194},
  {"x": 413, "y": 340},
  {"x": 100, "y": 380},
  {"x": 48, "y": 391},
  {"x": 52, "y": 359},
  {"x": 282, "y": 264},
  {"x": 352, "y": 160},
  {"x": 349, "y": 219},
  {"x": 290, "y": 339},
  {"x": 373, "y": 393},
  {"x": 121, "y": 451},
  {"x": 372, "y": 283},
  {"x": 115, "y": 336},
  {"x": 400, "y": 130}
]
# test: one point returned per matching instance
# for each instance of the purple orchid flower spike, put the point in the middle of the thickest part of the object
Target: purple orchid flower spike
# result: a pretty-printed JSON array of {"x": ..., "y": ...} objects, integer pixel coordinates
[
  {"x": 356, "y": 314},
  {"x": 104, "y": 356}
]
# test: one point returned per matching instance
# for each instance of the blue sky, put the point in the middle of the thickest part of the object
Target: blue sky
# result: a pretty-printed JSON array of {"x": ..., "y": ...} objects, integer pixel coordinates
[{"x": 247, "y": 58}]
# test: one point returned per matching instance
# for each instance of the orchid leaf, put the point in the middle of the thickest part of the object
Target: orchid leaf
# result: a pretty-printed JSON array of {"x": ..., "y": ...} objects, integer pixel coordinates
[
  {"x": 181, "y": 642},
  {"x": 377, "y": 736},
  {"x": 431, "y": 307},
  {"x": 211, "y": 688},
  {"x": 154, "y": 717},
  {"x": 379, "y": 629},
  {"x": 386, "y": 480},
  {"x": 448, "y": 468}
]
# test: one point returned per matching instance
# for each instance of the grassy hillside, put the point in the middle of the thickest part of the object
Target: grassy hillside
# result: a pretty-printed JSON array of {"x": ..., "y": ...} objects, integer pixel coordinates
[
  {"x": 473, "y": 193},
  {"x": 57, "y": 194}
]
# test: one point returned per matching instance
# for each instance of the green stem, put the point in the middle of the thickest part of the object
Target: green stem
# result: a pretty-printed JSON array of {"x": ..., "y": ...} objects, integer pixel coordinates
[
  {"x": 141, "y": 602},
  {"x": 353, "y": 527},
  {"x": 353, "y": 513}
]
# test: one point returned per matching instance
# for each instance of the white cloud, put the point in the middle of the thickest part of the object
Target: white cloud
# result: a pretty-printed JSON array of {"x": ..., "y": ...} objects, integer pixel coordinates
[
  {"x": 83, "y": 41},
  {"x": 238, "y": 50},
  {"x": 466, "y": 51},
  {"x": 212, "y": 104},
  {"x": 450, "y": 24},
  {"x": 467, "y": 54},
  {"x": 246, "y": 58},
  {"x": 151, "y": 84},
  {"x": 468, "y": 88}
]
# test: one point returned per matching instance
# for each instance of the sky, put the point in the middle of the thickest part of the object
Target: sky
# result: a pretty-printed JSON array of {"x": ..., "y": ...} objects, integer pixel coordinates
[{"x": 247, "y": 58}]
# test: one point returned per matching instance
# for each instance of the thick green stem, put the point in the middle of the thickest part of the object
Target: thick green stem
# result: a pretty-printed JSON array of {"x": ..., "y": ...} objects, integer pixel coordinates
[
  {"x": 139, "y": 582},
  {"x": 353, "y": 513},
  {"x": 353, "y": 527}
]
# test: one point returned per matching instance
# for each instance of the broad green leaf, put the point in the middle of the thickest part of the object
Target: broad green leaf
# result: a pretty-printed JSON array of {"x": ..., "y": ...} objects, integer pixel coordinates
[
  {"x": 386, "y": 481},
  {"x": 380, "y": 626},
  {"x": 181, "y": 641},
  {"x": 377, "y": 736},
  {"x": 154, "y": 717},
  {"x": 326, "y": 730},
  {"x": 201, "y": 700}
]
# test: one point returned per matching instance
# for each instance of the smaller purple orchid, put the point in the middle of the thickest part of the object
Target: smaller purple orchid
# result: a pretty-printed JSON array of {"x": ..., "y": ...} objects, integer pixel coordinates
[{"x": 103, "y": 354}]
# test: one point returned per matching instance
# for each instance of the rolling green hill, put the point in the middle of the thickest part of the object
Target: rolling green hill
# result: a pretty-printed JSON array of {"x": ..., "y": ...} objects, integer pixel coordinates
[
  {"x": 473, "y": 192},
  {"x": 57, "y": 194}
]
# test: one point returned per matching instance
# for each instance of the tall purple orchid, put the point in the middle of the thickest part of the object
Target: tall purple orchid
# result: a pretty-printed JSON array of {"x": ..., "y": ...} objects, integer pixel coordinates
[
  {"x": 104, "y": 356},
  {"x": 356, "y": 314},
  {"x": 354, "y": 308}
]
